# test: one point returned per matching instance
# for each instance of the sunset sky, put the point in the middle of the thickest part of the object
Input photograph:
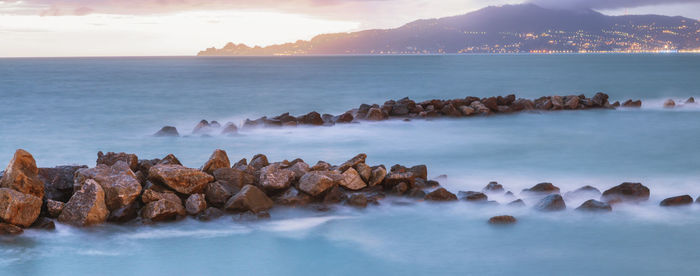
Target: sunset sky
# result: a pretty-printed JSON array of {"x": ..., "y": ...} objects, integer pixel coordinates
[{"x": 183, "y": 27}]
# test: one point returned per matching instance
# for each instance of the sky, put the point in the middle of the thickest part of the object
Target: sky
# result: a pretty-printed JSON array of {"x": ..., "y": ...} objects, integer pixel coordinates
[{"x": 47, "y": 28}]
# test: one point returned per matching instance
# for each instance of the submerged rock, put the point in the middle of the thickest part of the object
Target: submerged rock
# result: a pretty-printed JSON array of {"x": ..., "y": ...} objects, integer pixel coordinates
[
  {"x": 22, "y": 175},
  {"x": 669, "y": 103},
  {"x": 593, "y": 205},
  {"x": 9, "y": 229},
  {"x": 493, "y": 187},
  {"x": 357, "y": 200},
  {"x": 18, "y": 208},
  {"x": 167, "y": 131},
  {"x": 441, "y": 194},
  {"x": 585, "y": 191},
  {"x": 229, "y": 129},
  {"x": 250, "y": 198},
  {"x": 502, "y": 220},
  {"x": 690, "y": 100},
  {"x": 631, "y": 103},
  {"x": 516, "y": 203},
  {"x": 626, "y": 192},
  {"x": 472, "y": 196},
  {"x": 553, "y": 202},
  {"x": 86, "y": 207},
  {"x": 543, "y": 188},
  {"x": 181, "y": 179},
  {"x": 677, "y": 201}
]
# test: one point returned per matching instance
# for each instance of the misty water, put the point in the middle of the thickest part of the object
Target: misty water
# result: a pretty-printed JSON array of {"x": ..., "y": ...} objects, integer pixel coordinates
[{"x": 64, "y": 110}]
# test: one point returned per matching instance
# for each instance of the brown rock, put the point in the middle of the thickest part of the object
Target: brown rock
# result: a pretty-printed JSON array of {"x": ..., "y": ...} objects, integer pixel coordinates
[
  {"x": 195, "y": 204},
  {"x": 335, "y": 195},
  {"x": 466, "y": 110},
  {"x": 626, "y": 192},
  {"x": 502, "y": 220},
  {"x": 181, "y": 179},
  {"x": 669, "y": 103},
  {"x": 312, "y": 118},
  {"x": 272, "y": 178},
  {"x": 259, "y": 161},
  {"x": 218, "y": 192},
  {"x": 345, "y": 118},
  {"x": 86, "y": 207},
  {"x": 210, "y": 214},
  {"x": 54, "y": 208},
  {"x": 162, "y": 210},
  {"x": 516, "y": 203},
  {"x": 375, "y": 114},
  {"x": 397, "y": 177},
  {"x": 357, "y": 200},
  {"x": 593, "y": 205},
  {"x": 43, "y": 223},
  {"x": 250, "y": 198},
  {"x": 441, "y": 194},
  {"x": 352, "y": 181},
  {"x": 493, "y": 187},
  {"x": 491, "y": 103},
  {"x": 234, "y": 178},
  {"x": 677, "y": 201},
  {"x": 365, "y": 171},
  {"x": 119, "y": 183},
  {"x": 112, "y": 158},
  {"x": 217, "y": 160},
  {"x": 572, "y": 102},
  {"x": 360, "y": 158},
  {"x": 150, "y": 195},
  {"x": 9, "y": 229},
  {"x": 315, "y": 183},
  {"x": 321, "y": 166},
  {"x": 167, "y": 131},
  {"x": 229, "y": 129},
  {"x": 170, "y": 159},
  {"x": 631, "y": 103},
  {"x": 399, "y": 189},
  {"x": 58, "y": 182},
  {"x": 292, "y": 197},
  {"x": 21, "y": 175},
  {"x": 553, "y": 202},
  {"x": 600, "y": 99},
  {"x": 378, "y": 175},
  {"x": 419, "y": 171},
  {"x": 18, "y": 208},
  {"x": 126, "y": 213},
  {"x": 450, "y": 110},
  {"x": 543, "y": 188},
  {"x": 690, "y": 100},
  {"x": 472, "y": 196}
]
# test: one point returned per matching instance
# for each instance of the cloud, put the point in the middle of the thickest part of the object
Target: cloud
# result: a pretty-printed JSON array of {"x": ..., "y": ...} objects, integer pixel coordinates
[{"x": 607, "y": 4}]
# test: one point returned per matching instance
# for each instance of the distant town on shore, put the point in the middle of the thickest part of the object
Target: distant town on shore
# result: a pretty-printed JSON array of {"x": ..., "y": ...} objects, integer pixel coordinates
[{"x": 524, "y": 28}]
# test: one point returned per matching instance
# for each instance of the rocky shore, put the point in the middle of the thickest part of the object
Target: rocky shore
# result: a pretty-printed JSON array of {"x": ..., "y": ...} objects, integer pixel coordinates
[
  {"x": 122, "y": 188},
  {"x": 407, "y": 109}
]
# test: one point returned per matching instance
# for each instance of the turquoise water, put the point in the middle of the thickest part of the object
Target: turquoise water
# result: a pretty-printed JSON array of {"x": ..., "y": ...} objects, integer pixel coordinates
[{"x": 65, "y": 110}]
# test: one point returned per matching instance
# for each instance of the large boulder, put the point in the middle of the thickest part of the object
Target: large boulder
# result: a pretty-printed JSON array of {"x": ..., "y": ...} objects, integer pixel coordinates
[
  {"x": 217, "y": 160},
  {"x": 58, "y": 182},
  {"x": 259, "y": 161},
  {"x": 250, "y": 198},
  {"x": 234, "y": 178},
  {"x": 86, "y": 207},
  {"x": 315, "y": 183},
  {"x": 9, "y": 229},
  {"x": 375, "y": 114},
  {"x": 360, "y": 158},
  {"x": 677, "y": 201},
  {"x": 18, "y": 208},
  {"x": 273, "y": 178},
  {"x": 553, "y": 202},
  {"x": 218, "y": 192},
  {"x": 351, "y": 180},
  {"x": 195, "y": 204},
  {"x": 54, "y": 208},
  {"x": 377, "y": 177},
  {"x": 22, "y": 175},
  {"x": 626, "y": 192},
  {"x": 441, "y": 194},
  {"x": 112, "y": 158},
  {"x": 600, "y": 99},
  {"x": 593, "y": 205},
  {"x": 119, "y": 183},
  {"x": 394, "y": 178},
  {"x": 181, "y": 179},
  {"x": 312, "y": 118},
  {"x": 299, "y": 168},
  {"x": 162, "y": 210}
]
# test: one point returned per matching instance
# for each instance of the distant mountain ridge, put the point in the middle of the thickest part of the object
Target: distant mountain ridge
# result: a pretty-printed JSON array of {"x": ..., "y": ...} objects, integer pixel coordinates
[{"x": 504, "y": 29}]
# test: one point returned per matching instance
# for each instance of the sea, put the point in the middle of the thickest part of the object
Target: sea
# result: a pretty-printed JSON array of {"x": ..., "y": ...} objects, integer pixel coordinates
[{"x": 65, "y": 110}]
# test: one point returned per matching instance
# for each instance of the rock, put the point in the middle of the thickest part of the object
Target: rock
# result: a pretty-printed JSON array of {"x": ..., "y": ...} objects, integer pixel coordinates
[
  {"x": 300, "y": 169},
  {"x": 195, "y": 204},
  {"x": 600, "y": 99},
  {"x": 375, "y": 114},
  {"x": 250, "y": 198},
  {"x": 416, "y": 193},
  {"x": 22, "y": 175},
  {"x": 167, "y": 131},
  {"x": 522, "y": 104},
  {"x": 351, "y": 180},
  {"x": 217, "y": 160},
  {"x": 18, "y": 208},
  {"x": 250, "y": 216},
  {"x": 58, "y": 182},
  {"x": 616, "y": 104},
  {"x": 631, "y": 103},
  {"x": 320, "y": 166},
  {"x": 397, "y": 177},
  {"x": 553, "y": 202},
  {"x": 557, "y": 102},
  {"x": 419, "y": 171},
  {"x": 626, "y": 192},
  {"x": 292, "y": 197},
  {"x": 451, "y": 111},
  {"x": 150, "y": 195},
  {"x": 516, "y": 203},
  {"x": 112, "y": 158},
  {"x": 312, "y": 118},
  {"x": 345, "y": 118},
  {"x": 126, "y": 213},
  {"x": 466, "y": 110},
  {"x": 54, "y": 208},
  {"x": 399, "y": 189},
  {"x": 9, "y": 229},
  {"x": 543, "y": 188},
  {"x": 493, "y": 187},
  {"x": 502, "y": 220},
  {"x": 218, "y": 192},
  {"x": 669, "y": 103},
  {"x": 365, "y": 171},
  {"x": 593, "y": 205},
  {"x": 677, "y": 201},
  {"x": 120, "y": 185},
  {"x": 181, "y": 179},
  {"x": 472, "y": 196},
  {"x": 86, "y": 207},
  {"x": 571, "y": 102},
  {"x": 690, "y": 100},
  {"x": 272, "y": 178},
  {"x": 43, "y": 223},
  {"x": 441, "y": 194},
  {"x": 585, "y": 191},
  {"x": 234, "y": 178},
  {"x": 229, "y": 129},
  {"x": 377, "y": 177},
  {"x": 491, "y": 103},
  {"x": 202, "y": 127},
  {"x": 170, "y": 159},
  {"x": 162, "y": 210},
  {"x": 335, "y": 195},
  {"x": 259, "y": 161},
  {"x": 210, "y": 214},
  {"x": 357, "y": 200},
  {"x": 360, "y": 158},
  {"x": 315, "y": 183}
]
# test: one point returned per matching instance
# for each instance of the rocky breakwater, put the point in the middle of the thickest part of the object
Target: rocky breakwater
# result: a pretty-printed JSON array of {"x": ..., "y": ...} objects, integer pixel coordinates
[
  {"x": 408, "y": 109},
  {"x": 121, "y": 188}
]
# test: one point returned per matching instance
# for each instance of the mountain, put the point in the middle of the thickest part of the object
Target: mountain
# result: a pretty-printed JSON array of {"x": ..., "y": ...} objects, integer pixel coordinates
[{"x": 504, "y": 29}]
